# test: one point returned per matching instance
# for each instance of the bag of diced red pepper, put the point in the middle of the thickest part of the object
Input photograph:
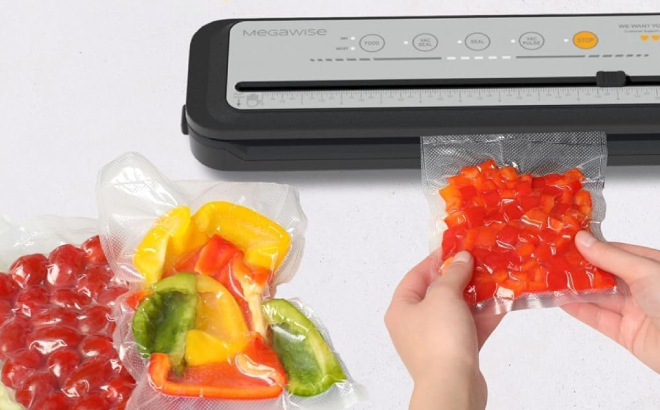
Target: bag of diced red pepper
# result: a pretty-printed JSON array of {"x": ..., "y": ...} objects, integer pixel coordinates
[
  {"x": 200, "y": 328},
  {"x": 516, "y": 203},
  {"x": 56, "y": 296}
]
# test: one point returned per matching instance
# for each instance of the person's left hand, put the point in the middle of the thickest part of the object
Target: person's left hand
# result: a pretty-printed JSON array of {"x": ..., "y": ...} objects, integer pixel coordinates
[{"x": 437, "y": 337}]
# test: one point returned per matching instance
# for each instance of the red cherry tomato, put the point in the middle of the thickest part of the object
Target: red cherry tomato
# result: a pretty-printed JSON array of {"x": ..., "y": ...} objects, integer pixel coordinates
[
  {"x": 94, "y": 280},
  {"x": 69, "y": 299},
  {"x": 5, "y": 310},
  {"x": 94, "y": 319},
  {"x": 55, "y": 315},
  {"x": 30, "y": 301},
  {"x": 94, "y": 251},
  {"x": 62, "y": 363},
  {"x": 88, "y": 377},
  {"x": 109, "y": 296},
  {"x": 54, "y": 401},
  {"x": 94, "y": 401},
  {"x": 29, "y": 270},
  {"x": 13, "y": 334},
  {"x": 66, "y": 263},
  {"x": 8, "y": 287},
  {"x": 51, "y": 338},
  {"x": 97, "y": 347},
  {"x": 21, "y": 365},
  {"x": 118, "y": 389},
  {"x": 34, "y": 387}
]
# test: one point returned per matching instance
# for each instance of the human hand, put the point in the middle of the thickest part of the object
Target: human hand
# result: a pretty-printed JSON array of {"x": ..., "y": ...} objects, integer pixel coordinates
[
  {"x": 437, "y": 337},
  {"x": 632, "y": 320}
]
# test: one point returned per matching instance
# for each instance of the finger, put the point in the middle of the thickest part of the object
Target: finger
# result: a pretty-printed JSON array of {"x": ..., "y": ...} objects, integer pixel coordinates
[
  {"x": 486, "y": 324},
  {"x": 456, "y": 276},
  {"x": 614, "y": 303},
  {"x": 603, "y": 320},
  {"x": 414, "y": 285},
  {"x": 639, "y": 250},
  {"x": 628, "y": 266}
]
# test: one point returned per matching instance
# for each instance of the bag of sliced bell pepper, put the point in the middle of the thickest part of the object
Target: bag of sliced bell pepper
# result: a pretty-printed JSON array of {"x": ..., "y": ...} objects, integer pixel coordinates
[
  {"x": 516, "y": 203},
  {"x": 200, "y": 328},
  {"x": 56, "y": 296}
]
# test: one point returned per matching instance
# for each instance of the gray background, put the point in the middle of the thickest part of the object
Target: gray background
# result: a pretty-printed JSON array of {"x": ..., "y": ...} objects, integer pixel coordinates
[{"x": 82, "y": 82}]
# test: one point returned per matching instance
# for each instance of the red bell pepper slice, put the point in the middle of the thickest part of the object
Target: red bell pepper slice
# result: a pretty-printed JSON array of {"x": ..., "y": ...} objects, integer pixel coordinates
[
  {"x": 223, "y": 380},
  {"x": 215, "y": 256}
]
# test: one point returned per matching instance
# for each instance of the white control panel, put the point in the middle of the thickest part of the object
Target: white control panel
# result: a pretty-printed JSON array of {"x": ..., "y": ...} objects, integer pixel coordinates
[{"x": 310, "y": 63}]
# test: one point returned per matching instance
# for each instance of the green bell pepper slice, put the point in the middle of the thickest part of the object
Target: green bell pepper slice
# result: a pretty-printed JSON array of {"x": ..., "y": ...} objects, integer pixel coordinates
[{"x": 310, "y": 365}]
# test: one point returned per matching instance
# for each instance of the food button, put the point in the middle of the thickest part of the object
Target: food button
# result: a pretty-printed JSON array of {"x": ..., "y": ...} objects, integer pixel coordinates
[
  {"x": 477, "y": 41},
  {"x": 531, "y": 41},
  {"x": 585, "y": 40},
  {"x": 425, "y": 42},
  {"x": 372, "y": 43}
]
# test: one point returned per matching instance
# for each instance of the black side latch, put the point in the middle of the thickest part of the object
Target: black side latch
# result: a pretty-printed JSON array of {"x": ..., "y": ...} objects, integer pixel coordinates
[
  {"x": 184, "y": 121},
  {"x": 611, "y": 79}
]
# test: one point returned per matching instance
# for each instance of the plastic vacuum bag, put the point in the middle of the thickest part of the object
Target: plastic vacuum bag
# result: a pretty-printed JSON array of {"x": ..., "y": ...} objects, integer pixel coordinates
[
  {"x": 516, "y": 202},
  {"x": 200, "y": 329},
  {"x": 56, "y": 328}
]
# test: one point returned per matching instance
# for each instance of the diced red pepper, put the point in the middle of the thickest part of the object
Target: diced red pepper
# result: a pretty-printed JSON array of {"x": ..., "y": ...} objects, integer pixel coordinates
[
  {"x": 467, "y": 192},
  {"x": 452, "y": 197},
  {"x": 474, "y": 216},
  {"x": 455, "y": 219},
  {"x": 459, "y": 181},
  {"x": 470, "y": 172},
  {"x": 509, "y": 173}
]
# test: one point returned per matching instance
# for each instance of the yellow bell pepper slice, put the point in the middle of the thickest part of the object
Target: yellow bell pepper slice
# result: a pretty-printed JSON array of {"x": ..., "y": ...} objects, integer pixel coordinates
[
  {"x": 264, "y": 242},
  {"x": 150, "y": 255},
  {"x": 218, "y": 313},
  {"x": 221, "y": 332},
  {"x": 203, "y": 348}
]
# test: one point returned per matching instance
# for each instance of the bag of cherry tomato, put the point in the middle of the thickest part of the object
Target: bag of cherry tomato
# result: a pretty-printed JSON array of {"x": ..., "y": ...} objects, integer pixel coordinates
[
  {"x": 56, "y": 296},
  {"x": 200, "y": 328},
  {"x": 516, "y": 203}
]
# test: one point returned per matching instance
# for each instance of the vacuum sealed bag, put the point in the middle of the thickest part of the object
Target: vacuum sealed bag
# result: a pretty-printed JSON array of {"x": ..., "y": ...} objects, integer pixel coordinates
[
  {"x": 56, "y": 296},
  {"x": 516, "y": 203},
  {"x": 200, "y": 328}
]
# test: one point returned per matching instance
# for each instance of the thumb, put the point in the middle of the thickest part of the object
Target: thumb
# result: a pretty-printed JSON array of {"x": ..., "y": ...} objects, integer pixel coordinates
[
  {"x": 641, "y": 274},
  {"x": 455, "y": 277},
  {"x": 628, "y": 266}
]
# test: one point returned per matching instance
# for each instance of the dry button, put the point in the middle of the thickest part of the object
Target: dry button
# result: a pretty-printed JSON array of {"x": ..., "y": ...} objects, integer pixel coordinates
[
  {"x": 585, "y": 40},
  {"x": 477, "y": 41},
  {"x": 425, "y": 42},
  {"x": 532, "y": 41},
  {"x": 372, "y": 43}
]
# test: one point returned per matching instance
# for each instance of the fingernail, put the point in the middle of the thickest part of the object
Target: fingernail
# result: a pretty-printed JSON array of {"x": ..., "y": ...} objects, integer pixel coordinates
[
  {"x": 462, "y": 256},
  {"x": 585, "y": 239}
]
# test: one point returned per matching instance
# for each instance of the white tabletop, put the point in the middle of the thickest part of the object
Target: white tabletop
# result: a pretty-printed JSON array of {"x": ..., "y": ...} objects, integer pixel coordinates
[{"x": 82, "y": 82}]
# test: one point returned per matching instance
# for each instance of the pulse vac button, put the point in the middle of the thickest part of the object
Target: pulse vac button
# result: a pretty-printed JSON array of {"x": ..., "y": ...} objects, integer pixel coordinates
[
  {"x": 531, "y": 41},
  {"x": 372, "y": 43}
]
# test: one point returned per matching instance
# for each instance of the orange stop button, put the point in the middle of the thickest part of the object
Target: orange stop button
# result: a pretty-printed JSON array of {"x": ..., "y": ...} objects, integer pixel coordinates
[{"x": 585, "y": 40}]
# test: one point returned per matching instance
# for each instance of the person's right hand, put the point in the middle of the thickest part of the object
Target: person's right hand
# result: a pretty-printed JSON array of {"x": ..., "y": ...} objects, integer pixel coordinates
[{"x": 632, "y": 320}]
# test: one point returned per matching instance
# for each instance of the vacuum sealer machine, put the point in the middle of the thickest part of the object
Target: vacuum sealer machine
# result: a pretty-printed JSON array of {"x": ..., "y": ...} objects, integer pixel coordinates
[{"x": 359, "y": 92}]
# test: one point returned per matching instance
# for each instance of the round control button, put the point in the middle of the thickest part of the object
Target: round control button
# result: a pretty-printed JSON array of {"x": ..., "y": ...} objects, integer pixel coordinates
[
  {"x": 372, "y": 43},
  {"x": 477, "y": 41},
  {"x": 585, "y": 40},
  {"x": 425, "y": 42},
  {"x": 532, "y": 41}
]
